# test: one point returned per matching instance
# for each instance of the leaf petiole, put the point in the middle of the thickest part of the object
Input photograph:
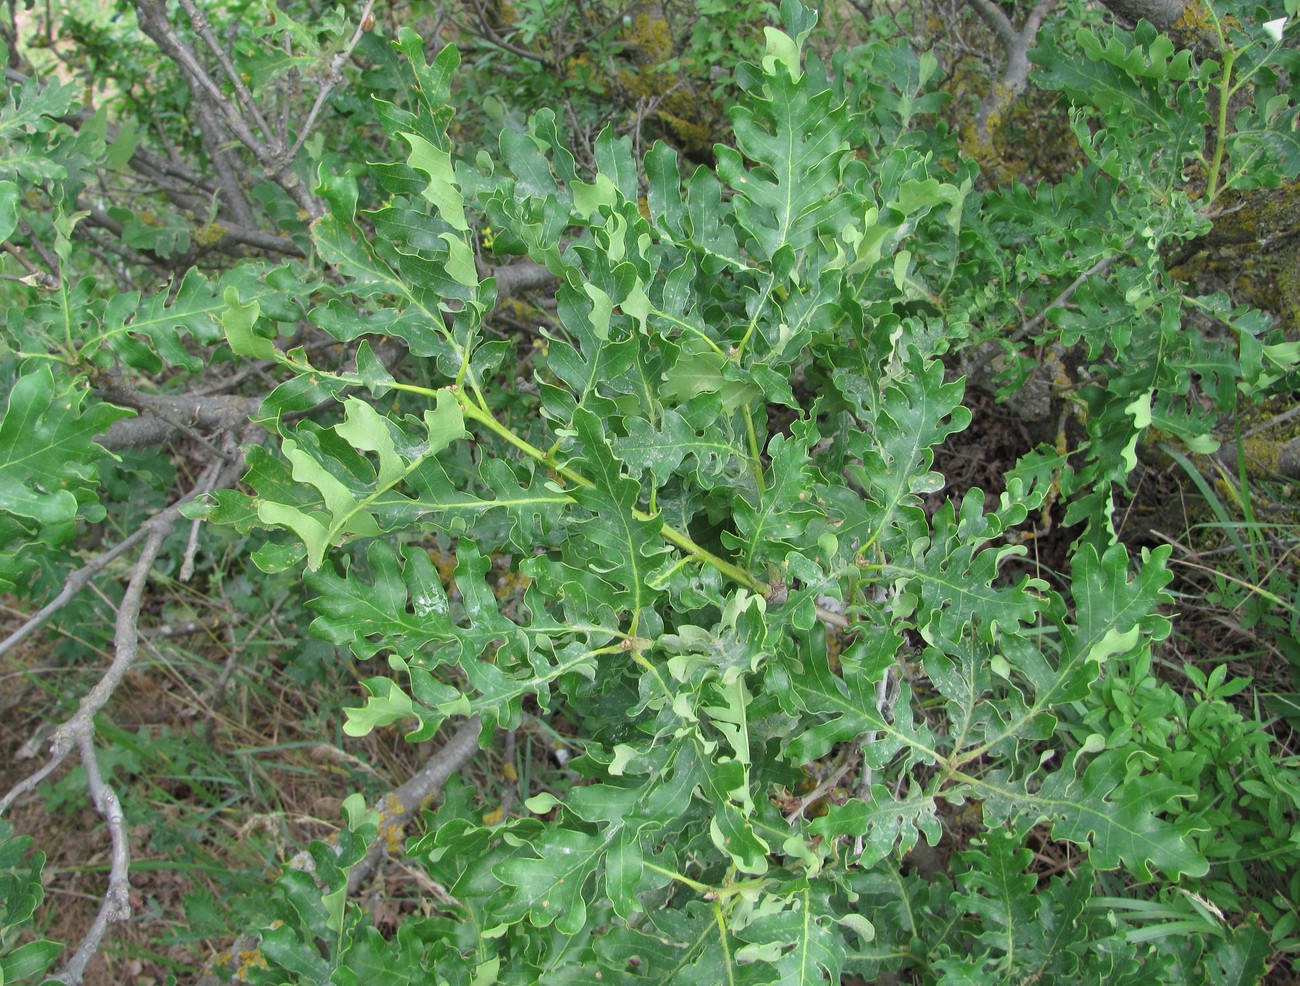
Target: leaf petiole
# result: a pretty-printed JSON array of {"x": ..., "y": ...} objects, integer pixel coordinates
[
  {"x": 1221, "y": 136},
  {"x": 482, "y": 416},
  {"x": 695, "y": 885}
]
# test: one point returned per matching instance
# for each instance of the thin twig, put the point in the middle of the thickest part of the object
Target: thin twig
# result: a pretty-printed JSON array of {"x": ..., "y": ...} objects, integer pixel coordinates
[
  {"x": 826, "y": 785},
  {"x": 125, "y": 638},
  {"x": 229, "y": 172},
  {"x": 1032, "y": 325},
  {"x": 332, "y": 79},
  {"x": 77, "y": 581},
  {"x": 1100, "y": 267},
  {"x": 116, "y": 905},
  {"x": 31, "y": 781},
  {"x": 152, "y": 16},
  {"x": 48, "y": 257},
  {"x": 45, "y": 277},
  {"x": 205, "y": 486},
  {"x": 488, "y": 33},
  {"x": 79, "y": 730},
  {"x": 199, "y": 20},
  {"x": 1273, "y": 422}
]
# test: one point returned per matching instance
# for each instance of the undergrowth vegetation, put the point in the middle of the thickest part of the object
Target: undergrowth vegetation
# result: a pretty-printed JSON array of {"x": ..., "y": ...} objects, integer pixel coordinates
[{"x": 473, "y": 504}]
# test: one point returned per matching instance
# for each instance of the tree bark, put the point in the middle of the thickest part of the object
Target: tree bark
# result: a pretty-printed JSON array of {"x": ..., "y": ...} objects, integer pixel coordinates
[{"x": 1188, "y": 22}]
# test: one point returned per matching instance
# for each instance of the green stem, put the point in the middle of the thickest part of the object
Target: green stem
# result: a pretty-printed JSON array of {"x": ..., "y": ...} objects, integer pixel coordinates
[
  {"x": 695, "y": 885},
  {"x": 756, "y": 462},
  {"x": 1221, "y": 138},
  {"x": 474, "y": 413},
  {"x": 722, "y": 936},
  {"x": 640, "y": 659},
  {"x": 489, "y": 421},
  {"x": 739, "y": 351},
  {"x": 733, "y": 572}
]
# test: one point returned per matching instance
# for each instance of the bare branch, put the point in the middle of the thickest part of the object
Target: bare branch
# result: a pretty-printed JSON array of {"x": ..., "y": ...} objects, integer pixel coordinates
[
  {"x": 149, "y": 164},
  {"x": 46, "y": 279},
  {"x": 229, "y": 453},
  {"x": 78, "y": 731},
  {"x": 79, "y": 579},
  {"x": 997, "y": 21},
  {"x": 152, "y": 15},
  {"x": 488, "y": 33},
  {"x": 328, "y": 85},
  {"x": 400, "y": 805},
  {"x": 1016, "y": 44},
  {"x": 398, "y": 808},
  {"x": 31, "y": 781},
  {"x": 235, "y": 237},
  {"x": 1189, "y": 22},
  {"x": 228, "y": 172},
  {"x": 112, "y": 251},
  {"x": 162, "y": 415},
  {"x": 183, "y": 413},
  {"x": 125, "y": 638},
  {"x": 515, "y": 279},
  {"x": 116, "y": 905},
  {"x": 973, "y": 367},
  {"x": 47, "y": 256},
  {"x": 1100, "y": 267},
  {"x": 1272, "y": 422},
  {"x": 199, "y": 20}
]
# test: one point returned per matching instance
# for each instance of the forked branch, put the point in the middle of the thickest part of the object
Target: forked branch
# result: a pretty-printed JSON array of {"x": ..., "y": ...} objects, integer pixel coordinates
[{"x": 78, "y": 731}]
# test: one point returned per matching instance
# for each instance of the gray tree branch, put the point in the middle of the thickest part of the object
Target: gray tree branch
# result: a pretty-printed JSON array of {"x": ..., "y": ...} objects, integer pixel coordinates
[
  {"x": 155, "y": 24},
  {"x": 228, "y": 171},
  {"x": 328, "y": 84},
  {"x": 161, "y": 416},
  {"x": 1016, "y": 43},
  {"x": 78, "y": 731},
  {"x": 1190, "y": 23},
  {"x": 398, "y": 808},
  {"x": 199, "y": 21}
]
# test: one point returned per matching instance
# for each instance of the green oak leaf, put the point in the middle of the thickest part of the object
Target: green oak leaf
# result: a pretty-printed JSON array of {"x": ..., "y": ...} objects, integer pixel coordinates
[
  {"x": 796, "y": 132},
  {"x": 400, "y": 607},
  {"x": 48, "y": 472},
  {"x": 1111, "y": 811},
  {"x": 356, "y": 481},
  {"x": 617, "y": 545}
]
